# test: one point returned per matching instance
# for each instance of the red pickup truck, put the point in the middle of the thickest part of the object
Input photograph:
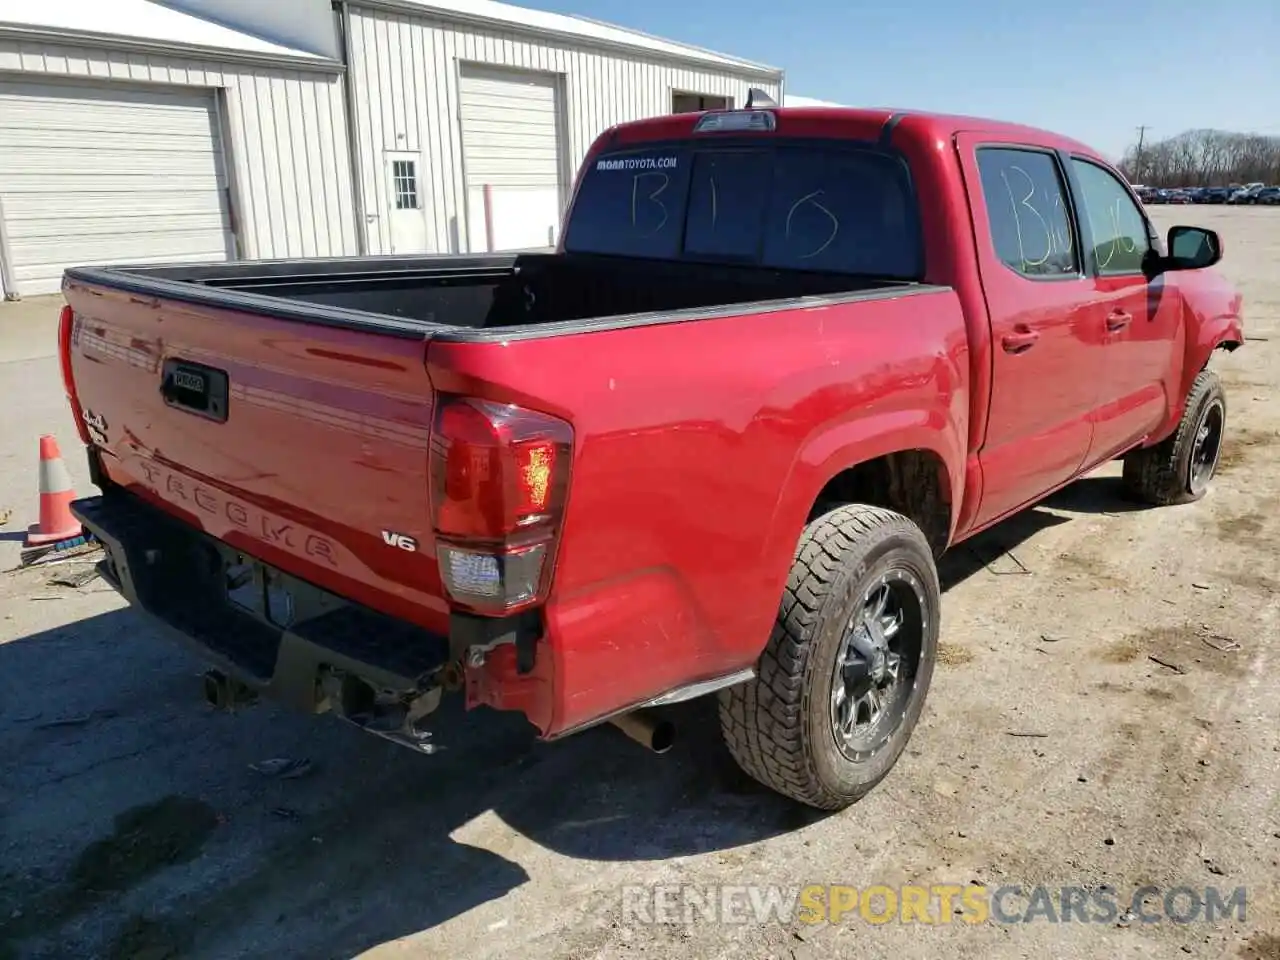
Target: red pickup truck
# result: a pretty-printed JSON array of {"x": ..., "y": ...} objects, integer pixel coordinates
[{"x": 713, "y": 443}]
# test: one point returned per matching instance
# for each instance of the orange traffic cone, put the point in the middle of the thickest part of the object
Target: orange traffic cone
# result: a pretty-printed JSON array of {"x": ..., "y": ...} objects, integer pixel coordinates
[{"x": 56, "y": 493}]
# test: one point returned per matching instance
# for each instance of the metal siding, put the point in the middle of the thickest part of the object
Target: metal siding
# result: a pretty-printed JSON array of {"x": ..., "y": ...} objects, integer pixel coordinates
[
  {"x": 291, "y": 179},
  {"x": 92, "y": 175},
  {"x": 599, "y": 88}
]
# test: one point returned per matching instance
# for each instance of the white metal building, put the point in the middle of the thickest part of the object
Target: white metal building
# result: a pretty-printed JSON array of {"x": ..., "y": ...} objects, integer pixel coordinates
[
  {"x": 184, "y": 140},
  {"x": 473, "y": 116},
  {"x": 132, "y": 130}
]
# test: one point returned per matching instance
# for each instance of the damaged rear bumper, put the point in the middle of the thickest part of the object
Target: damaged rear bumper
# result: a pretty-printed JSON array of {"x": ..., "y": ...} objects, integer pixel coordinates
[{"x": 324, "y": 654}]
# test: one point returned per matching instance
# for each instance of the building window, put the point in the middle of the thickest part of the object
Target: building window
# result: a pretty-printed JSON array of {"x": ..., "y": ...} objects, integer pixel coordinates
[
  {"x": 405, "y": 176},
  {"x": 697, "y": 102}
]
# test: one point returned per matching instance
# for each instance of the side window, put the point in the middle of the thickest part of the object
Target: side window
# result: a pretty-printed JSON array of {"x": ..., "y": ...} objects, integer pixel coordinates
[
  {"x": 1027, "y": 212},
  {"x": 1120, "y": 238}
]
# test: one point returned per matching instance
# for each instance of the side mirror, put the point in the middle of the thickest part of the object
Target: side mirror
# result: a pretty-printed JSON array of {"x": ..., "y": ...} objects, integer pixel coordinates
[{"x": 1192, "y": 248}]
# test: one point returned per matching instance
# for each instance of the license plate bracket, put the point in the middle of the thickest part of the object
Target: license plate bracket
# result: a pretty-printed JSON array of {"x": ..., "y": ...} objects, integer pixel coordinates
[
  {"x": 261, "y": 591},
  {"x": 195, "y": 388}
]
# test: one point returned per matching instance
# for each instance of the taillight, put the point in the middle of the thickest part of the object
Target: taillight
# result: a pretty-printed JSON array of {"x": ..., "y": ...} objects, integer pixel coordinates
[
  {"x": 66, "y": 327},
  {"x": 499, "y": 478}
]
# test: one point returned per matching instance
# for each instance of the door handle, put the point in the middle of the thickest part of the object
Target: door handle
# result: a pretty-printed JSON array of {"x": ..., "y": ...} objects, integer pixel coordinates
[
  {"x": 1118, "y": 320},
  {"x": 1019, "y": 342}
]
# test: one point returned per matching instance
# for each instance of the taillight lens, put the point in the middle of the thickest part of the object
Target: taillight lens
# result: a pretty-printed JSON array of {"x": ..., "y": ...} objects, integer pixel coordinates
[
  {"x": 500, "y": 477},
  {"x": 66, "y": 328}
]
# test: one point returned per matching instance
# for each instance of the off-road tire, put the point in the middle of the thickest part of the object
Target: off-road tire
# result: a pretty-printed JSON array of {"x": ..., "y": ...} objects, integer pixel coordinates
[
  {"x": 777, "y": 726},
  {"x": 1161, "y": 475}
]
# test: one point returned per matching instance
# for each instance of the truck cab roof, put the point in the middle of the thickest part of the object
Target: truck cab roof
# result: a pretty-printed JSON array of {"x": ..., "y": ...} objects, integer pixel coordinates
[{"x": 868, "y": 123}]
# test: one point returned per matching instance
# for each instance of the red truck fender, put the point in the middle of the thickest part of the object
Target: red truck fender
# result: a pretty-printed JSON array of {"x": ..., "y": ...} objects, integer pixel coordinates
[
  {"x": 1221, "y": 331},
  {"x": 929, "y": 442},
  {"x": 1213, "y": 320}
]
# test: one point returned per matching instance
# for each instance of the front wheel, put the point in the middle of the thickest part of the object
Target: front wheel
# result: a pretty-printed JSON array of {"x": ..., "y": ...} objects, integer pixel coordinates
[
  {"x": 1179, "y": 468},
  {"x": 843, "y": 679}
]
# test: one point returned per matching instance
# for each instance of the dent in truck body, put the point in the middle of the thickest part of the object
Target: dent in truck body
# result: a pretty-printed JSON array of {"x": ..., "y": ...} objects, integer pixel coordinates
[
  {"x": 334, "y": 648},
  {"x": 1211, "y": 319},
  {"x": 1215, "y": 320}
]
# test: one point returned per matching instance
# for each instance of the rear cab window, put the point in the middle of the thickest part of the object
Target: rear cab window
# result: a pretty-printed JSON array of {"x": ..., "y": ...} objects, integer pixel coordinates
[{"x": 796, "y": 206}]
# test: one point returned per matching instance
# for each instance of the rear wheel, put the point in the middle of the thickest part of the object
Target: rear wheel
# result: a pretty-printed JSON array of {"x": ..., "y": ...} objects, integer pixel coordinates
[
  {"x": 844, "y": 677},
  {"x": 1179, "y": 468}
]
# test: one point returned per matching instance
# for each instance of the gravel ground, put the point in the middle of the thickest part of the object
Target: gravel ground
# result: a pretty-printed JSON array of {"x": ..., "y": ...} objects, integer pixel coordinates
[{"x": 1107, "y": 713}]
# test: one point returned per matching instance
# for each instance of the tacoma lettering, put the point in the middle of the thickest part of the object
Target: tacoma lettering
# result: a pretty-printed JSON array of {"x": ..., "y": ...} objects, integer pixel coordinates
[{"x": 211, "y": 502}]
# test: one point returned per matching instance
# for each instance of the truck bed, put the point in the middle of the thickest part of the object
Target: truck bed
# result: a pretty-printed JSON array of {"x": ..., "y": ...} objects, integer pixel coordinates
[
  {"x": 316, "y": 463},
  {"x": 552, "y": 459},
  {"x": 458, "y": 296}
]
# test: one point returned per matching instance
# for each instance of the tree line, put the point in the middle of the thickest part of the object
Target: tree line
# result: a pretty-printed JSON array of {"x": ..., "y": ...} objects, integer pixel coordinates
[{"x": 1204, "y": 158}]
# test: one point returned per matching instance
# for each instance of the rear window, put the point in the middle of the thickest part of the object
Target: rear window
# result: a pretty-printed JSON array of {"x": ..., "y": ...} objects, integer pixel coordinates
[{"x": 801, "y": 207}]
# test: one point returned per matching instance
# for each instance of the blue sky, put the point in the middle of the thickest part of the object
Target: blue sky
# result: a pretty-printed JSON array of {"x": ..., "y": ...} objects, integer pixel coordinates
[{"x": 1089, "y": 69}]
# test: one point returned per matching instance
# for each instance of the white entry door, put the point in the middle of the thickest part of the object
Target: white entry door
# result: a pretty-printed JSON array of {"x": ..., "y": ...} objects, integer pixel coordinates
[{"x": 406, "y": 218}]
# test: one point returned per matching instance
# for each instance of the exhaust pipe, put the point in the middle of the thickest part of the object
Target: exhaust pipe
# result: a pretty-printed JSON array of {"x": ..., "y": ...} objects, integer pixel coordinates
[
  {"x": 224, "y": 693},
  {"x": 647, "y": 729}
]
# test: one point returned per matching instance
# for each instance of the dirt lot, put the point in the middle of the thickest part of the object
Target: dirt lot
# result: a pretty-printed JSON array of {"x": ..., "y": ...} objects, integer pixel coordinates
[{"x": 1107, "y": 713}]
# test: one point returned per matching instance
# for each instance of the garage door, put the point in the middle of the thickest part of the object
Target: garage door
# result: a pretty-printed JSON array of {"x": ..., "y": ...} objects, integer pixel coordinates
[
  {"x": 511, "y": 152},
  {"x": 94, "y": 174}
]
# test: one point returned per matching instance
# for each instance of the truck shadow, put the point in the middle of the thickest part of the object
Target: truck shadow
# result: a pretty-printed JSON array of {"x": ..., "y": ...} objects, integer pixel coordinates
[
  {"x": 116, "y": 779},
  {"x": 1094, "y": 494},
  {"x": 992, "y": 551}
]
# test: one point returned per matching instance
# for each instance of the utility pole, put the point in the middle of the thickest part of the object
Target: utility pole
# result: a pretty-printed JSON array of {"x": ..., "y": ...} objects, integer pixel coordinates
[{"x": 1137, "y": 157}]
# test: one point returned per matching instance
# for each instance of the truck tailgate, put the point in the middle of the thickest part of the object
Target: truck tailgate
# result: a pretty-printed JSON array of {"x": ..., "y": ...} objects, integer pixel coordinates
[{"x": 302, "y": 445}]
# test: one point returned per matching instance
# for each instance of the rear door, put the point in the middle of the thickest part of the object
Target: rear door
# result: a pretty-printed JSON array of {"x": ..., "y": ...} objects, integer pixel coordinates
[
  {"x": 1046, "y": 351},
  {"x": 1140, "y": 319}
]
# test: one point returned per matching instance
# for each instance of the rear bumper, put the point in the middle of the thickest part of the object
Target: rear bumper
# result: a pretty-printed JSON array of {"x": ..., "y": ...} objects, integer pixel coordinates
[
  {"x": 606, "y": 651},
  {"x": 175, "y": 575}
]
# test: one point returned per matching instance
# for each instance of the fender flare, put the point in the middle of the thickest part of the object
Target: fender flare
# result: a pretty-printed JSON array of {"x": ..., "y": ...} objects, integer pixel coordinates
[
  {"x": 1226, "y": 330},
  {"x": 847, "y": 444},
  {"x": 1206, "y": 335}
]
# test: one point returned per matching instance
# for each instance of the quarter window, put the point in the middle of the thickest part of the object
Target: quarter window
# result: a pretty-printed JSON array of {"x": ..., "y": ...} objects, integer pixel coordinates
[
  {"x": 1027, "y": 212},
  {"x": 1120, "y": 236}
]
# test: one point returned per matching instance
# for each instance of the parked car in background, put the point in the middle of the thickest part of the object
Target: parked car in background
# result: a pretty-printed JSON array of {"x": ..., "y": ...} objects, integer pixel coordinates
[
  {"x": 713, "y": 444},
  {"x": 1233, "y": 193},
  {"x": 1246, "y": 193},
  {"x": 1169, "y": 195},
  {"x": 1269, "y": 196}
]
